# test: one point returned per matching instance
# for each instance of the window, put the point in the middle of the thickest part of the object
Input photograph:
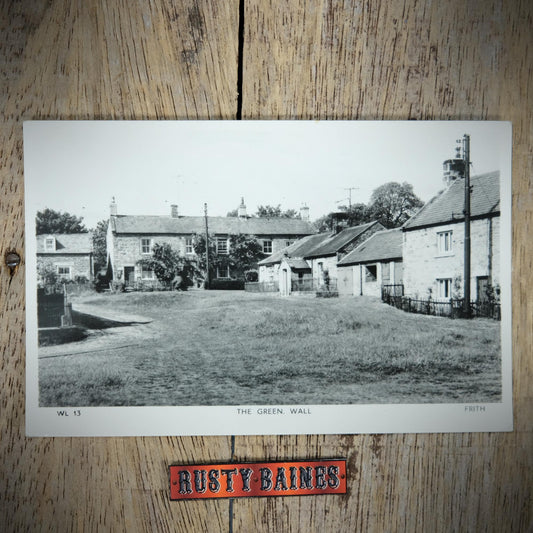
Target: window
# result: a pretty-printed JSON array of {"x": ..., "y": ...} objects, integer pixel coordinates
[
  {"x": 267, "y": 246},
  {"x": 63, "y": 272},
  {"x": 146, "y": 273},
  {"x": 288, "y": 243},
  {"x": 444, "y": 288},
  {"x": 189, "y": 249},
  {"x": 50, "y": 244},
  {"x": 371, "y": 273},
  {"x": 146, "y": 246},
  {"x": 444, "y": 242},
  {"x": 222, "y": 246},
  {"x": 223, "y": 271}
]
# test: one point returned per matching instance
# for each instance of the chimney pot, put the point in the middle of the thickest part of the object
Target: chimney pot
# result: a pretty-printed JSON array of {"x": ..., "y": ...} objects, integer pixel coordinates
[
  {"x": 174, "y": 211},
  {"x": 113, "y": 207}
]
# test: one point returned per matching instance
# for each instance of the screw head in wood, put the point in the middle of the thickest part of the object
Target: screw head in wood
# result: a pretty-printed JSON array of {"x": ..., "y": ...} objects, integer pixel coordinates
[{"x": 12, "y": 260}]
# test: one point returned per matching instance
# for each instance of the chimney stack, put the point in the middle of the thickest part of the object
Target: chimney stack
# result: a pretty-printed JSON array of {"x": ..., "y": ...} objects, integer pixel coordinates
[
  {"x": 454, "y": 169},
  {"x": 174, "y": 211},
  {"x": 113, "y": 207},
  {"x": 304, "y": 213},
  {"x": 241, "y": 212}
]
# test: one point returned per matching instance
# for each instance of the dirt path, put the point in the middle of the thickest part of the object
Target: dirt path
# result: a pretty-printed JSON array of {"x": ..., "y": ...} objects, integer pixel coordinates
[{"x": 116, "y": 315}]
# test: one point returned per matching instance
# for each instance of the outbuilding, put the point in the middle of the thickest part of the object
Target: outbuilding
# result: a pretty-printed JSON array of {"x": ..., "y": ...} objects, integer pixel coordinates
[{"x": 375, "y": 263}]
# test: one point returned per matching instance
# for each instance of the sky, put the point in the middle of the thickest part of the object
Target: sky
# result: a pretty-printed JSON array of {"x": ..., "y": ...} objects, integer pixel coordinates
[{"x": 78, "y": 166}]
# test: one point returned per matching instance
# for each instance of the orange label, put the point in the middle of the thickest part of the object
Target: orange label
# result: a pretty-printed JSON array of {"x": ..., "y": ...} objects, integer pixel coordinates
[{"x": 237, "y": 480}]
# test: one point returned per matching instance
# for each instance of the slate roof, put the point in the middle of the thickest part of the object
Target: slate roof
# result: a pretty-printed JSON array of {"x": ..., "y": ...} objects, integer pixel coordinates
[
  {"x": 335, "y": 243},
  {"x": 448, "y": 206},
  {"x": 318, "y": 245},
  {"x": 185, "y": 225},
  {"x": 297, "y": 249},
  {"x": 298, "y": 264},
  {"x": 383, "y": 245},
  {"x": 71, "y": 243}
]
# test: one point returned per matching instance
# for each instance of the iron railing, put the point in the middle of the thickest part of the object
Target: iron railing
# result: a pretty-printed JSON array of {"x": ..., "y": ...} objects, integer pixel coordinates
[{"x": 453, "y": 308}]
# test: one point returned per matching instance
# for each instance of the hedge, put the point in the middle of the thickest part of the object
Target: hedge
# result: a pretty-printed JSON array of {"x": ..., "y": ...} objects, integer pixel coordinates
[{"x": 227, "y": 284}]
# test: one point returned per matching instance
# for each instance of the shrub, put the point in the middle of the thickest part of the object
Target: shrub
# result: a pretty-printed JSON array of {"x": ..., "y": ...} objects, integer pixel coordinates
[{"x": 251, "y": 275}]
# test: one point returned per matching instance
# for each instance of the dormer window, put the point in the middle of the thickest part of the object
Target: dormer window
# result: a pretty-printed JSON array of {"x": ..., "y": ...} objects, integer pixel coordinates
[{"x": 49, "y": 244}]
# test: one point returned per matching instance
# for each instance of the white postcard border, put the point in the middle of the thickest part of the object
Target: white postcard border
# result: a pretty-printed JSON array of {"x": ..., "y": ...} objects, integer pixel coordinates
[{"x": 258, "y": 420}]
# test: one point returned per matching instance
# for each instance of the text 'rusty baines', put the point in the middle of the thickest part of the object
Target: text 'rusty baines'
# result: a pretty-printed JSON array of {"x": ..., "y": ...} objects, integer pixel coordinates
[{"x": 233, "y": 480}]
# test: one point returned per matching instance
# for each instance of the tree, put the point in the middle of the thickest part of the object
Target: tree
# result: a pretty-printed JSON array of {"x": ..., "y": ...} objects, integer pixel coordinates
[
  {"x": 100, "y": 245},
  {"x": 47, "y": 276},
  {"x": 394, "y": 203},
  {"x": 50, "y": 221},
  {"x": 269, "y": 211},
  {"x": 354, "y": 215},
  {"x": 215, "y": 260},
  {"x": 233, "y": 213},
  {"x": 244, "y": 253},
  {"x": 167, "y": 263}
]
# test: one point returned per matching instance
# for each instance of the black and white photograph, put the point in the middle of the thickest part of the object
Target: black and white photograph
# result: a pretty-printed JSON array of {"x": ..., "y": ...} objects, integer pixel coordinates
[{"x": 267, "y": 277}]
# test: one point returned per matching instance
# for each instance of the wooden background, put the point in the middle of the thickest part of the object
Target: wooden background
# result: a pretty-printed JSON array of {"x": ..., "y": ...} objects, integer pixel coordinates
[{"x": 351, "y": 59}]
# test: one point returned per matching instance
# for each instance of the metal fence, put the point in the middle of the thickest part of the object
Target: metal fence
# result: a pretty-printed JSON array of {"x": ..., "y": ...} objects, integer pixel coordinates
[
  {"x": 261, "y": 286},
  {"x": 452, "y": 308},
  {"x": 314, "y": 285}
]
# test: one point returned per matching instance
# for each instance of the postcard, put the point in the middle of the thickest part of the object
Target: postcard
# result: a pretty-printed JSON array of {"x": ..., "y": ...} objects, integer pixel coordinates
[{"x": 267, "y": 277}]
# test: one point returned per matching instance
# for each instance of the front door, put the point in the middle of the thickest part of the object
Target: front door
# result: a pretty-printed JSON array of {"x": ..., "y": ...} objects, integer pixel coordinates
[
  {"x": 129, "y": 276},
  {"x": 285, "y": 280},
  {"x": 482, "y": 288}
]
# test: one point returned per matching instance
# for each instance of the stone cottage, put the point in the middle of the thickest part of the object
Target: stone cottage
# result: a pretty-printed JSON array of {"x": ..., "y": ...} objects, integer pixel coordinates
[
  {"x": 373, "y": 264},
  {"x": 269, "y": 268},
  {"x": 433, "y": 241},
  {"x": 325, "y": 256},
  {"x": 311, "y": 262},
  {"x": 131, "y": 238},
  {"x": 69, "y": 255}
]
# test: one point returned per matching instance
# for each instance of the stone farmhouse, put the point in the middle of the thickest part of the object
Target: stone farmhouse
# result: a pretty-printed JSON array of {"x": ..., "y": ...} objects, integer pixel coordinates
[
  {"x": 131, "y": 238},
  {"x": 311, "y": 262},
  {"x": 70, "y": 255},
  {"x": 433, "y": 241},
  {"x": 374, "y": 263}
]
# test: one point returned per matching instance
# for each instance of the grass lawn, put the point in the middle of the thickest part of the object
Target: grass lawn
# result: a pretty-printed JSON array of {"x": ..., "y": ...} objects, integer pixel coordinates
[{"x": 236, "y": 348}]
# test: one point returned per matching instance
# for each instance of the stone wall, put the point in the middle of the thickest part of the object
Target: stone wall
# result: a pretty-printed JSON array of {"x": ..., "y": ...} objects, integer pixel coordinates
[
  {"x": 350, "y": 278},
  {"x": 423, "y": 264},
  {"x": 80, "y": 265},
  {"x": 269, "y": 273},
  {"x": 125, "y": 250},
  {"x": 328, "y": 263}
]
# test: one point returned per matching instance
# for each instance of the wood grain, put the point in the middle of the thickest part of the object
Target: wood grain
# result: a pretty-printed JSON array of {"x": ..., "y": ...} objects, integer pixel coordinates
[
  {"x": 99, "y": 60},
  {"x": 403, "y": 59},
  {"x": 407, "y": 60}
]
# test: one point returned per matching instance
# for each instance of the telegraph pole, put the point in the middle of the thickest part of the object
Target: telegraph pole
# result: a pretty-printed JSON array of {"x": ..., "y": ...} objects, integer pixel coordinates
[
  {"x": 350, "y": 189},
  {"x": 466, "y": 158},
  {"x": 207, "y": 281}
]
